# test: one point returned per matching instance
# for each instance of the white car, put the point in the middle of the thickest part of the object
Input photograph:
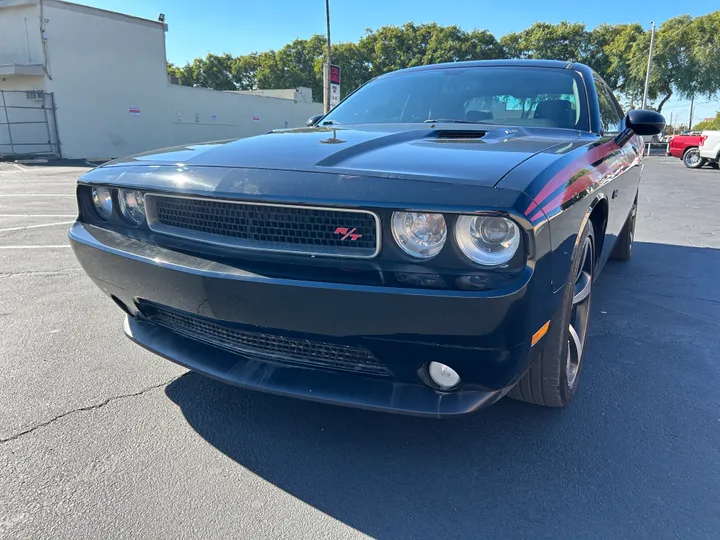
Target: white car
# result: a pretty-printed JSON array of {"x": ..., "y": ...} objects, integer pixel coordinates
[{"x": 710, "y": 146}]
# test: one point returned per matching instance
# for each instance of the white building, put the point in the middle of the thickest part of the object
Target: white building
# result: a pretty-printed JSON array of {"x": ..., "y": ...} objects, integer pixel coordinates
[{"x": 81, "y": 82}]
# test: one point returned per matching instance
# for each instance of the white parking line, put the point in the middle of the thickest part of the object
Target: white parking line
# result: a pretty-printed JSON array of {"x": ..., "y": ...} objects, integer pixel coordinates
[
  {"x": 36, "y": 195},
  {"x": 36, "y": 226},
  {"x": 71, "y": 182},
  {"x": 36, "y": 215},
  {"x": 36, "y": 247}
]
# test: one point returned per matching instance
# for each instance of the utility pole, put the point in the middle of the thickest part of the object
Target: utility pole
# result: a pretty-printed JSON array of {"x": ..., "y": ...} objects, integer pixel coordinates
[
  {"x": 647, "y": 75},
  {"x": 692, "y": 107},
  {"x": 326, "y": 71},
  {"x": 671, "y": 121}
]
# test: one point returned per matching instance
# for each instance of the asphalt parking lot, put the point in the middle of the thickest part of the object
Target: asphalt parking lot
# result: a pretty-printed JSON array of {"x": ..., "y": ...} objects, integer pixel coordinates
[{"x": 100, "y": 439}]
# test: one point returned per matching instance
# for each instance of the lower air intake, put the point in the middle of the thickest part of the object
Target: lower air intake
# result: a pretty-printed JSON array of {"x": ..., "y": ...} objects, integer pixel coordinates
[{"x": 280, "y": 349}]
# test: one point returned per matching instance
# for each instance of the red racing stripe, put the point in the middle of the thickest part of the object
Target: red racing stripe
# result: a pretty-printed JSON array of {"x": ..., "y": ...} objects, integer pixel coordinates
[
  {"x": 577, "y": 187},
  {"x": 566, "y": 172}
]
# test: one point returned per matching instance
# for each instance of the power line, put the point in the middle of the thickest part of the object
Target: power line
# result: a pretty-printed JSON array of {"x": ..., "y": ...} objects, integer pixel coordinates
[{"x": 687, "y": 106}]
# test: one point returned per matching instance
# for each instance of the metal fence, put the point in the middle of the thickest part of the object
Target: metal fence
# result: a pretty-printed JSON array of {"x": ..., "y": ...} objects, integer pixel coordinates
[
  {"x": 27, "y": 124},
  {"x": 656, "y": 148}
]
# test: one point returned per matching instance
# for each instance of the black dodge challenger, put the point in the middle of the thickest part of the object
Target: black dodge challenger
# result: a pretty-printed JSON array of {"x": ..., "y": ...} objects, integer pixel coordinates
[{"x": 427, "y": 247}]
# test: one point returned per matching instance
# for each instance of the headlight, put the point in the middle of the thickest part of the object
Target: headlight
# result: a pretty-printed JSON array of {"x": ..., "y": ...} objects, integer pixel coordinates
[
  {"x": 487, "y": 240},
  {"x": 102, "y": 200},
  {"x": 419, "y": 234},
  {"x": 132, "y": 206}
]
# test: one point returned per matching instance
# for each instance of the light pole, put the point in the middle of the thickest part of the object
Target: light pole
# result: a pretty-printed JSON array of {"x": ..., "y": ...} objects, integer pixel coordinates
[
  {"x": 647, "y": 75},
  {"x": 326, "y": 71},
  {"x": 692, "y": 110}
]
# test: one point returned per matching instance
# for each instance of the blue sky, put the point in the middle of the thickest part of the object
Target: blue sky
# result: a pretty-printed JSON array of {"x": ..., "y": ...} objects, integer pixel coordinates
[{"x": 198, "y": 27}]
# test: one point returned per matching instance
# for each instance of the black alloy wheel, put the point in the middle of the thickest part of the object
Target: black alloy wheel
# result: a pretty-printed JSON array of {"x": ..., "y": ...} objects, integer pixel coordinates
[
  {"x": 553, "y": 377},
  {"x": 580, "y": 314}
]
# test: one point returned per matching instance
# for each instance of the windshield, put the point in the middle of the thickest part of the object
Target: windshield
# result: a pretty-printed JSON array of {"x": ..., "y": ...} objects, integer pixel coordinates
[{"x": 515, "y": 96}]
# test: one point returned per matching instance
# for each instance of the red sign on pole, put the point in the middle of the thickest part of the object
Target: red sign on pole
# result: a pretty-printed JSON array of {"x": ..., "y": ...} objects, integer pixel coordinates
[{"x": 334, "y": 74}]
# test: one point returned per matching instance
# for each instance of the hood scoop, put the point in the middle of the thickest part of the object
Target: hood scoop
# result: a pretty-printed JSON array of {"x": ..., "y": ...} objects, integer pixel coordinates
[{"x": 454, "y": 134}]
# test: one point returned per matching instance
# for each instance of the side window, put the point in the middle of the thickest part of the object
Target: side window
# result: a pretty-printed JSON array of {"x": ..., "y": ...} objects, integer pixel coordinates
[{"x": 609, "y": 114}]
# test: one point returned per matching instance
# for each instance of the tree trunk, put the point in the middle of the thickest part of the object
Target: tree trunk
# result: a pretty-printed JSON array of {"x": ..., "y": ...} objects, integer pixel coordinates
[{"x": 664, "y": 100}]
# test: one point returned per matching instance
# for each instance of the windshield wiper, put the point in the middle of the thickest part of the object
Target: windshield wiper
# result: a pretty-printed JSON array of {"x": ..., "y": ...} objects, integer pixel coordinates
[
  {"x": 450, "y": 121},
  {"x": 330, "y": 123}
]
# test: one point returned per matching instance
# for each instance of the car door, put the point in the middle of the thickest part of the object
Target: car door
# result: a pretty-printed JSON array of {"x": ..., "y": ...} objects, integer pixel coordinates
[{"x": 624, "y": 167}]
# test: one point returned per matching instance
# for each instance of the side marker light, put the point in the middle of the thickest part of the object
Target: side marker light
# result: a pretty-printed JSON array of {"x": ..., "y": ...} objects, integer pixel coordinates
[{"x": 537, "y": 336}]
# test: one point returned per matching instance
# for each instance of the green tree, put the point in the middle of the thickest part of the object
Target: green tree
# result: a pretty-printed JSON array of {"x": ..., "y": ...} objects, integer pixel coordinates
[
  {"x": 183, "y": 74},
  {"x": 675, "y": 69},
  {"x": 609, "y": 51},
  {"x": 562, "y": 41},
  {"x": 354, "y": 64},
  {"x": 244, "y": 71},
  {"x": 215, "y": 71},
  {"x": 685, "y": 58},
  {"x": 396, "y": 47},
  {"x": 709, "y": 124},
  {"x": 705, "y": 52}
]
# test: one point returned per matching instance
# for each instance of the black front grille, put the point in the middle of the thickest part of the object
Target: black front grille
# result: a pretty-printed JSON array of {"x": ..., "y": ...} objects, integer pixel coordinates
[
  {"x": 280, "y": 349},
  {"x": 268, "y": 227}
]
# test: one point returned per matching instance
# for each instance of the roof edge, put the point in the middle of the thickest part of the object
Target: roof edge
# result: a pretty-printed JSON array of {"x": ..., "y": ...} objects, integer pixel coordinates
[
  {"x": 80, "y": 8},
  {"x": 507, "y": 62}
]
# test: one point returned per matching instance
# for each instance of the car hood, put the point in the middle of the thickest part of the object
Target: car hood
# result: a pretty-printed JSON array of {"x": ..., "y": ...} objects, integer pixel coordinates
[{"x": 477, "y": 154}]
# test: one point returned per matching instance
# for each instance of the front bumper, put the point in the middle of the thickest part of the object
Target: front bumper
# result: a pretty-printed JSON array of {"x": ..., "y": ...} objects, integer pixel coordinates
[
  {"x": 316, "y": 385},
  {"x": 485, "y": 336}
]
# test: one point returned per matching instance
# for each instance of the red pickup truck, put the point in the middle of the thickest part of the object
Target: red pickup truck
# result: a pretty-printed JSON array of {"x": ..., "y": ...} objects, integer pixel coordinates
[{"x": 686, "y": 147}]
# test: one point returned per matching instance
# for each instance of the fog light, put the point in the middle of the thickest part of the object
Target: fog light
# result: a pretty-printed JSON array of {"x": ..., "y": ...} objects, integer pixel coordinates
[
  {"x": 421, "y": 280},
  {"x": 444, "y": 376}
]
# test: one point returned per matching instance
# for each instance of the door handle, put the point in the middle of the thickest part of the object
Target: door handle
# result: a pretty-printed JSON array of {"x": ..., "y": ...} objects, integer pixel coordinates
[{"x": 615, "y": 193}]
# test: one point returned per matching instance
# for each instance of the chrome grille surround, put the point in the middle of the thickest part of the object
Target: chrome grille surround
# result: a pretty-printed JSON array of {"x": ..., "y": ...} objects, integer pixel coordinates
[{"x": 279, "y": 228}]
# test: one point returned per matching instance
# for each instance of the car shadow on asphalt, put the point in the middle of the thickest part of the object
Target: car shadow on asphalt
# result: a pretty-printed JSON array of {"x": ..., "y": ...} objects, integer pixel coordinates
[{"x": 606, "y": 466}]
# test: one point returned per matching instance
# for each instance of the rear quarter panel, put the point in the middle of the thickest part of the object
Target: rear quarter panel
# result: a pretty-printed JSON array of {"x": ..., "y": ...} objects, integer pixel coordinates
[{"x": 566, "y": 182}]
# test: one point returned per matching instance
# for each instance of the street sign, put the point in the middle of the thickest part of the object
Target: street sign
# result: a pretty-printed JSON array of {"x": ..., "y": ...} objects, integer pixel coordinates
[
  {"x": 334, "y": 85},
  {"x": 334, "y": 74},
  {"x": 334, "y": 94}
]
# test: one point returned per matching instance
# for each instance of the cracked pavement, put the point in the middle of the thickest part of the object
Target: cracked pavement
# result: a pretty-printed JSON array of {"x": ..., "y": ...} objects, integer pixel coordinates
[
  {"x": 101, "y": 439},
  {"x": 85, "y": 409}
]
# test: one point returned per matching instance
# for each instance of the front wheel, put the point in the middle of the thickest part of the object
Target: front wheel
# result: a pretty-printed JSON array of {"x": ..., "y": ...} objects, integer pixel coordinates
[
  {"x": 692, "y": 159},
  {"x": 552, "y": 380}
]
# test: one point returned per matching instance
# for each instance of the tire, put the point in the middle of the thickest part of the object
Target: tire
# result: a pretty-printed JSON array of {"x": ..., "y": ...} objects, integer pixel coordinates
[
  {"x": 624, "y": 243},
  {"x": 691, "y": 158},
  {"x": 553, "y": 378}
]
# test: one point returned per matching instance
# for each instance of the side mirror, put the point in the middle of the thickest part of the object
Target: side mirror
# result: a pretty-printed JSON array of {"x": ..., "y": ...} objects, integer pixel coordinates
[
  {"x": 315, "y": 117},
  {"x": 643, "y": 122}
]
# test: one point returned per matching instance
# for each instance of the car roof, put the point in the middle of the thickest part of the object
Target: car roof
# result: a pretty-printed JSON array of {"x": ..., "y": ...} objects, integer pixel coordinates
[{"x": 558, "y": 64}]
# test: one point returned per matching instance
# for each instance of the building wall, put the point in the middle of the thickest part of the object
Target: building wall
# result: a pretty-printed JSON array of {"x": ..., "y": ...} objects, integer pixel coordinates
[
  {"x": 23, "y": 82},
  {"x": 199, "y": 114},
  {"x": 301, "y": 93},
  {"x": 108, "y": 74},
  {"x": 20, "y": 41},
  {"x": 101, "y": 65}
]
